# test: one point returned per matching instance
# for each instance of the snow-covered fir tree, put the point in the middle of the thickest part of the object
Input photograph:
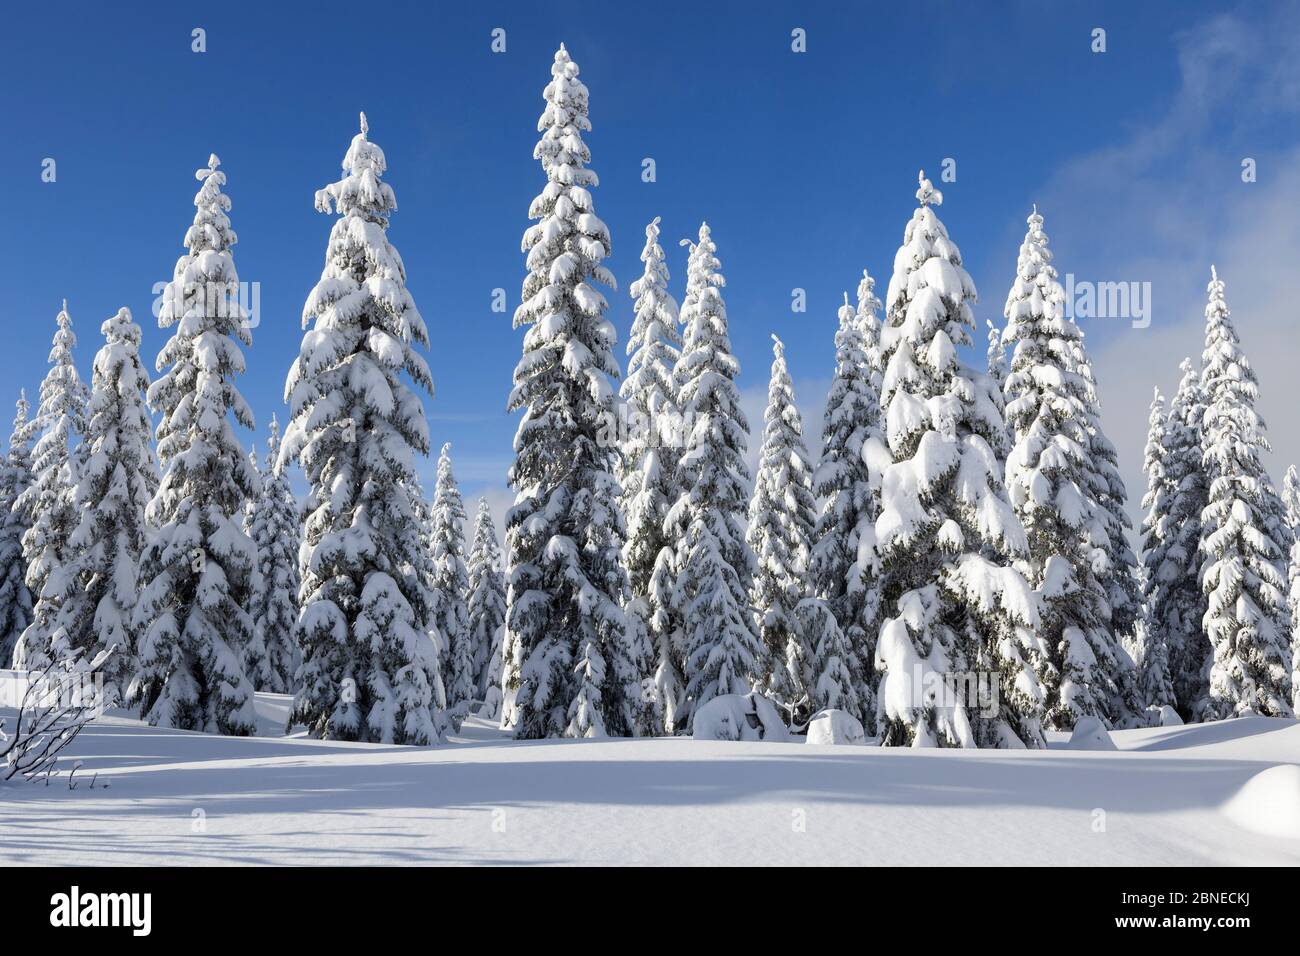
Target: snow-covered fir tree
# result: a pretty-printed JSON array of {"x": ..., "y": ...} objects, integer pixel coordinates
[
  {"x": 1291, "y": 500},
  {"x": 198, "y": 571},
  {"x": 1047, "y": 474},
  {"x": 451, "y": 585},
  {"x": 947, "y": 534},
  {"x": 487, "y": 611},
  {"x": 1175, "y": 602},
  {"x": 996, "y": 354},
  {"x": 782, "y": 515},
  {"x": 582, "y": 666},
  {"x": 370, "y": 668},
  {"x": 648, "y": 466},
  {"x": 850, "y": 497},
  {"x": 46, "y": 504},
  {"x": 119, "y": 476},
  {"x": 1155, "y": 685},
  {"x": 15, "y": 476},
  {"x": 274, "y": 527},
  {"x": 1119, "y": 575},
  {"x": 825, "y": 664},
  {"x": 1247, "y": 619},
  {"x": 422, "y": 510},
  {"x": 721, "y": 652}
]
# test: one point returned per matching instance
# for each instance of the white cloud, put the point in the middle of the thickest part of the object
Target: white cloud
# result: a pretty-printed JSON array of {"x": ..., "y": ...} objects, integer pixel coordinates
[{"x": 1169, "y": 201}]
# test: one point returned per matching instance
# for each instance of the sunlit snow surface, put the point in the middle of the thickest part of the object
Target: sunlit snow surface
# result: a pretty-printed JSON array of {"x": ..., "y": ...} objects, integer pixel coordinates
[{"x": 181, "y": 798}]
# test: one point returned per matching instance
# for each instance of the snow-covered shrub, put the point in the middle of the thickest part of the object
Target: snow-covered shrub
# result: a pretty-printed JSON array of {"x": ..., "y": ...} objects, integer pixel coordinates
[
  {"x": 55, "y": 703},
  {"x": 836, "y": 727},
  {"x": 739, "y": 717},
  {"x": 1090, "y": 734}
]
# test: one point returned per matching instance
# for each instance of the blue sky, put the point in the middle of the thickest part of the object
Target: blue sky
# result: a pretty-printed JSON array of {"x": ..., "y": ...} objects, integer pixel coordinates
[{"x": 803, "y": 164}]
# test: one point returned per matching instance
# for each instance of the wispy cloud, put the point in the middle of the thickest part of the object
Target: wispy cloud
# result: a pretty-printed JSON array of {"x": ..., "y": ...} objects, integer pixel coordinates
[{"x": 1168, "y": 201}]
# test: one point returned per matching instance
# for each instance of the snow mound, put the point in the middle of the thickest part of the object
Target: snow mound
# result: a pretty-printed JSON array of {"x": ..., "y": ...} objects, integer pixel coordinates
[
  {"x": 1090, "y": 734},
  {"x": 835, "y": 727},
  {"x": 737, "y": 717},
  {"x": 1169, "y": 717},
  {"x": 1268, "y": 803}
]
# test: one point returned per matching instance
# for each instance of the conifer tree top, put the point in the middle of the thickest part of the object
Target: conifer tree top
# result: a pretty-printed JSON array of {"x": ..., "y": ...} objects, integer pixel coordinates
[
  {"x": 926, "y": 194},
  {"x": 360, "y": 192}
]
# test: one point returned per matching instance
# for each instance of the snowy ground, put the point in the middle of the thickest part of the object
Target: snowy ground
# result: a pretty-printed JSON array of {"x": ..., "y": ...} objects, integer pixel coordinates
[{"x": 180, "y": 798}]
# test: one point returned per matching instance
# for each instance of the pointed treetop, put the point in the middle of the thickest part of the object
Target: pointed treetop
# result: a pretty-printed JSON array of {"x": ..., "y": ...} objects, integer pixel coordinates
[
  {"x": 846, "y": 300},
  {"x": 1214, "y": 274},
  {"x": 213, "y": 162},
  {"x": 778, "y": 348},
  {"x": 926, "y": 194},
  {"x": 65, "y": 306},
  {"x": 365, "y": 126},
  {"x": 446, "y": 450}
]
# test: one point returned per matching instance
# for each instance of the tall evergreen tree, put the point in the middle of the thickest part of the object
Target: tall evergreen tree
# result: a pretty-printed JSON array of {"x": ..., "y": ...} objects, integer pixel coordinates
[
  {"x": 721, "y": 652},
  {"x": 487, "y": 610},
  {"x": 16, "y": 475},
  {"x": 1156, "y": 684},
  {"x": 119, "y": 476},
  {"x": 996, "y": 354},
  {"x": 580, "y": 674},
  {"x": 46, "y": 505},
  {"x": 1118, "y": 575},
  {"x": 451, "y": 585},
  {"x": 370, "y": 669},
  {"x": 1176, "y": 604},
  {"x": 1291, "y": 499},
  {"x": 1247, "y": 618},
  {"x": 198, "y": 571},
  {"x": 782, "y": 515},
  {"x": 823, "y": 662},
  {"x": 947, "y": 534},
  {"x": 276, "y": 531},
  {"x": 1047, "y": 405},
  {"x": 850, "y": 496},
  {"x": 648, "y": 464},
  {"x": 648, "y": 467}
]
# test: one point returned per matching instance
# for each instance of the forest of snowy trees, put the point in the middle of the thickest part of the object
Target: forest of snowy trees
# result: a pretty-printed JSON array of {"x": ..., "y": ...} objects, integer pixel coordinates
[{"x": 953, "y": 569}]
